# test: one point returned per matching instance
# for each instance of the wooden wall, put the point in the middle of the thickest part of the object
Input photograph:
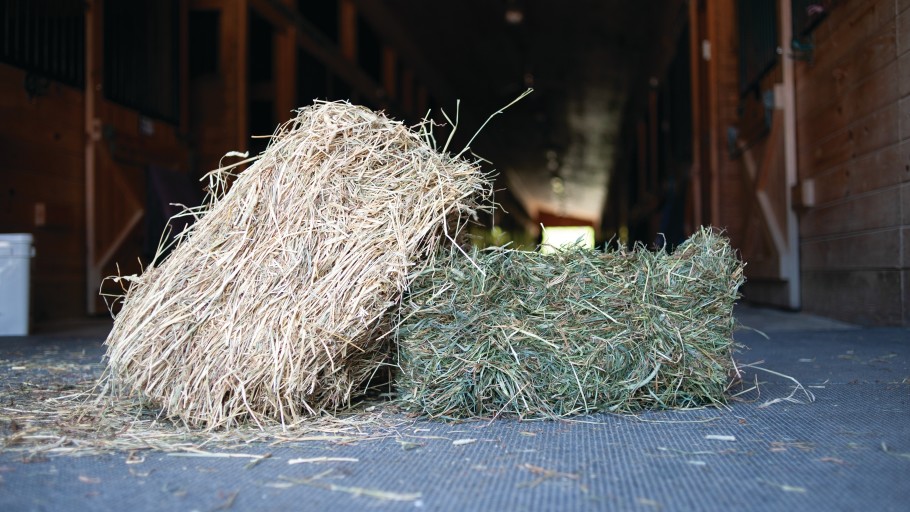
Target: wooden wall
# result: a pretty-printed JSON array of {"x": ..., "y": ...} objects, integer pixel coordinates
[
  {"x": 717, "y": 194},
  {"x": 42, "y": 148},
  {"x": 853, "y": 135},
  {"x": 852, "y": 129},
  {"x": 84, "y": 232}
]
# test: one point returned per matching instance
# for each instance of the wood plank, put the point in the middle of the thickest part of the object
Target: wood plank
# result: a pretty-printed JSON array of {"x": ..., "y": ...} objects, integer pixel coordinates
[
  {"x": 237, "y": 71},
  {"x": 41, "y": 164},
  {"x": 905, "y": 238},
  {"x": 863, "y": 136},
  {"x": 212, "y": 123},
  {"x": 875, "y": 210},
  {"x": 903, "y": 32},
  {"x": 852, "y": 103},
  {"x": 867, "y": 297},
  {"x": 905, "y": 165},
  {"x": 764, "y": 243},
  {"x": 54, "y": 119},
  {"x": 818, "y": 87},
  {"x": 122, "y": 123},
  {"x": 184, "y": 66},
  {"x": 62, "y": 202},
  {"x": 903, "y": 78},
  {"x": 347, "y": 29},
  {"x": 905, "y": 284},
  {"x": 118, "y": 196},
  {"x": 723, "y": 73},
  {"x": 93, "y": 81},
  {"x": 846, "y": 29},
  {"x": 904, "y": 106},
  {"x": 905, "y": 201},
  {"x": 699, "y": 146},
  {"x": 390, "y": 72},
  {"x": 765, "y": 291},
  {"x": 285, "y": 71},
  {"x": 756, "y": 246},
  {"x": 869, "y": 250},
  {"x": 58, "y": 256},
  {"x": 879, "y": 169},
  {"x": 42, "y": 147}
]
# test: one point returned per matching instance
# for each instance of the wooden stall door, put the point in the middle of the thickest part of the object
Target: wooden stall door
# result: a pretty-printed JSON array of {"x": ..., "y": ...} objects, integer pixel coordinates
[
  {"x": 121, "y": 146},
  {"x": 770, "y": 244}
]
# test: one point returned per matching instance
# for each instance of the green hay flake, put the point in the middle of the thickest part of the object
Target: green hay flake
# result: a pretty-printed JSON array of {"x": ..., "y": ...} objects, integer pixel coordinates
[{"x": 576, "y": 332}]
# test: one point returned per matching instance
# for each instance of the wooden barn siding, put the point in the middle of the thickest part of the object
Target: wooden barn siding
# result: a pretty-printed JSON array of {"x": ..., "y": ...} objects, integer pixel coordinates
[
  {"x": 853, "y": 135},
  {"x": 42, "y": 152}
]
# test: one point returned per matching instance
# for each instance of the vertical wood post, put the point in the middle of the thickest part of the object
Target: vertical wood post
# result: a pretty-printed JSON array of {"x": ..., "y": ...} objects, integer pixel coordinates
[
  {"x": 695, "y": 63},
  {"x": 390, "y": 72},
  {"x": 712, "y": 124},
  {"x": 347, "y": 29},
  {"x": 92, "y": 136},
  {"x": 241, "y": 78},
  {"x": 285, "y": 72},
  {"x": 790, "y": 262}
]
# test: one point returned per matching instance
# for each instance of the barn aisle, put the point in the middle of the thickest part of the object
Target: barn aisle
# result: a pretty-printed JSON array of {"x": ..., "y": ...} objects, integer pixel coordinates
[{"x": 849, "y": 449}]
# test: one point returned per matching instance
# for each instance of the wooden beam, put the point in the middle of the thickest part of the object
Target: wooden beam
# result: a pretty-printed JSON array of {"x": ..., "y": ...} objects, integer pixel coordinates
[
  {"x": 184, "y": 63},
  {"x": 755, "y": 182},
  {"x": 769, "y": 159},
  {"x": 347, "y": 30},
  {"x": 285, "y": 71},
  {"x": 390, "y": 71},
  {"x": 712, "y": 124},
  {"x": 695, "y": 63},
  {"x": 122, "y": 234},
  {"x": 790, "y": 265},
  {"x": 241, "y": 97},
  {"x": 92, "y": 136}
]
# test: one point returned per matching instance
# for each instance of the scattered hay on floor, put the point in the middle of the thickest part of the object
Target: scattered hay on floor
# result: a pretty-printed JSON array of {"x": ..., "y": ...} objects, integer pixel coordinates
[
  {"x": 42, "y": 422},
  {"x": 273, "y": 306},
  {"x": 535, "y": 335}
]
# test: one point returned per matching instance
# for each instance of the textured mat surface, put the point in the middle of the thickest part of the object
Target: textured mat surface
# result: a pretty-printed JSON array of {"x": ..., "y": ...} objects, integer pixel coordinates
[{"x": 848, "y": 450}]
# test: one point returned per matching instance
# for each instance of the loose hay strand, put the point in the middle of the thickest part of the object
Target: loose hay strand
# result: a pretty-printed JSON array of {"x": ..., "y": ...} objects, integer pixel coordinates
[
  {"x": 271, "y": 305},
  {"x": 575, "y": 332}
]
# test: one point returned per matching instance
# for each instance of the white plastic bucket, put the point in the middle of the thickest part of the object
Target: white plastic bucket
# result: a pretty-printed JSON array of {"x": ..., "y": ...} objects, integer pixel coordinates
[{"x": 16, "y": 252}]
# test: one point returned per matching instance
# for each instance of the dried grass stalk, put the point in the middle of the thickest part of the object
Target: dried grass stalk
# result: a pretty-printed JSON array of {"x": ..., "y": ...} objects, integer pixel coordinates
[
  {"x": 273, "y": 305},
  {"x": 575, "y": 332}
]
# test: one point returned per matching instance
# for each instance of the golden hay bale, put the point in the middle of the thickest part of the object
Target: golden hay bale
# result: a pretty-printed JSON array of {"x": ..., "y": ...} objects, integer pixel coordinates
[{"x": 273, "y": 305}]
